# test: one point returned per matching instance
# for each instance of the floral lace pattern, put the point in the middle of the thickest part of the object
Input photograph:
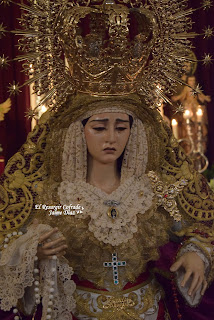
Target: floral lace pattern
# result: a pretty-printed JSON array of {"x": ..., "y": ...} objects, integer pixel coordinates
[
  {"x": 16, "y": 274},
  {"x": 133, "y": 197},
  {"x": 74, "y": 158}
]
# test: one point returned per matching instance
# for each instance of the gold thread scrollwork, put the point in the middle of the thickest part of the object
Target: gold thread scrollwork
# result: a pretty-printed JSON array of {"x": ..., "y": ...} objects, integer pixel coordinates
[
  {"x": 117, "y": 306},
  {"x": 117, "y": 303},
  {"x": 22, "y": 181}
]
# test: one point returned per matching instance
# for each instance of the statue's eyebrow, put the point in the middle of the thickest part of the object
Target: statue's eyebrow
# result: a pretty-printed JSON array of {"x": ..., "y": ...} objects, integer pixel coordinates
[{"x": 105, "y": 120}]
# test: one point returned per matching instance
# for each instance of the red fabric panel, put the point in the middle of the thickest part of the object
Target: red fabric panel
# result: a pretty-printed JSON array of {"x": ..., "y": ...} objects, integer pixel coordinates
[
  {"x": 161, "y": 312},
  {"x": 15, "y": 127}
]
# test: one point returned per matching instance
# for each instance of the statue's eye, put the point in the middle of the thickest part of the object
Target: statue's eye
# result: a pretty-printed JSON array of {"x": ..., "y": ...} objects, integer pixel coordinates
[
  {"x": 99, "y": 128},
  {"x": 121, "y": 128}
]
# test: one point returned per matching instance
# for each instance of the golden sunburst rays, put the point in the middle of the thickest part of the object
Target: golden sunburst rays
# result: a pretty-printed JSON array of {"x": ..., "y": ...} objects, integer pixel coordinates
[
  {"x": 174, "y": 78},
  {"x": 36, "y": 77},
  {"x": 47, "y": 96},
  {"x": 30, "y": 114},
  {"x": 4, "y": 61},
  {"x": 51, "y": 94},
  {"x": 3, "y": 30},
  {"x": 182, "y": 14},
  {"x": 196, "y": 91},
  {"x": 207, "y": 4},
  {"x": 207, "y": 59},
  {"x": 30, "y": 33},
  {"x": 178, "y": 109},
  {"x": 14, "y": 88},
  {"x": 162, "y": 95},
  {"x": 184, "y": 35},
  {"x": 42, "y": 32},
  {"x": 28, "y": 56},
  {"x": 208, "y": 32},
  {"x": 31, "y": 9},
  {"x": 5, "y": 2}
]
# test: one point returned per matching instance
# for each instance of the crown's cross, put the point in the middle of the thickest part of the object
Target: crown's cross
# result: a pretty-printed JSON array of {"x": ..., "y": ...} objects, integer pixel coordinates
[{"x": 115, "y": 264}]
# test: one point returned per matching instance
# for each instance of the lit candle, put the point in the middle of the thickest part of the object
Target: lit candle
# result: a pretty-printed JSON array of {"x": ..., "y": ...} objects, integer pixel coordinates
[
  {"x": 187, "y": 114},
  {"x": 175, "y": 128},
  {"x": 43, "y": 108},
  {"x": 199, "y": 114}
]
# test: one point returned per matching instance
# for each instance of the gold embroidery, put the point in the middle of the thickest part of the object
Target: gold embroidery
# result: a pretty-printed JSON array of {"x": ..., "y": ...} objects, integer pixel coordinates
[
  {"x": 22, "y": 179},
  {"x": 116, "y": 305}
]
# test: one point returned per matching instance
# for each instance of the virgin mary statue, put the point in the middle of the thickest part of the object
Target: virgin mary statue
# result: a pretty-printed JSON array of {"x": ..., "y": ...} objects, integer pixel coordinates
[{"x": 102, "y": 213}]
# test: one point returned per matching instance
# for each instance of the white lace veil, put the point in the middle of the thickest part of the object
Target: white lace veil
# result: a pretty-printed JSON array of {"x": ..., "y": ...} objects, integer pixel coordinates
[{"x": 74, "y": 158}]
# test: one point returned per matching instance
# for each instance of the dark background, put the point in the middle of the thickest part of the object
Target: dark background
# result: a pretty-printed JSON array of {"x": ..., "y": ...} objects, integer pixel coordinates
[{"x": 14, "y": 129}]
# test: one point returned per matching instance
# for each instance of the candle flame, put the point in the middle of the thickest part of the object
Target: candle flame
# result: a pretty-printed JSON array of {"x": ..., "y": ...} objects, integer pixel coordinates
[
  {"x": 43, "y": 108},
  {"x": 199, "y": 112},
  {"x": 174, "y": 122}
]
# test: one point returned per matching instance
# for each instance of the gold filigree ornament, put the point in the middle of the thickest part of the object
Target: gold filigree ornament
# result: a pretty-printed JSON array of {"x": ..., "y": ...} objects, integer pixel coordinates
[
  {"x": 166, "y": 194},
  {"x": 117, "y": 303},
  {"x": 105, "y": 47},
  {"x": 21, "y": 182}
]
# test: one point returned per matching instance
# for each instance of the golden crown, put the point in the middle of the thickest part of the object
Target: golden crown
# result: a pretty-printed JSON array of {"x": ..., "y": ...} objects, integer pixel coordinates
[{"x": 105, "y": 47}]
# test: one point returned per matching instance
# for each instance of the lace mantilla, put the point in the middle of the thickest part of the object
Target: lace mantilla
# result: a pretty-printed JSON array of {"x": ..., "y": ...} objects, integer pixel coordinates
[
  {"x": 16, "y": 275},
  {"x": 132, "y": 197}
]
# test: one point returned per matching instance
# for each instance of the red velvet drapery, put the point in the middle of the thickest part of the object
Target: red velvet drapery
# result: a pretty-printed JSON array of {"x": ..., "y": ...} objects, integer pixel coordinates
[{"x": 14, "y": 129}]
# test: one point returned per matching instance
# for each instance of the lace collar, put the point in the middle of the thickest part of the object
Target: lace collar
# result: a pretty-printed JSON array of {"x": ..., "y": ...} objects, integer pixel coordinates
[{"x": 113, "y": 217}]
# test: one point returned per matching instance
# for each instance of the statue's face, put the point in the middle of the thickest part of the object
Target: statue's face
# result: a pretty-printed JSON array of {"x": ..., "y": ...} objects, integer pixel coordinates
[
  {"x": 107, "y": 135},
  {"x": 192, "y": 81}
]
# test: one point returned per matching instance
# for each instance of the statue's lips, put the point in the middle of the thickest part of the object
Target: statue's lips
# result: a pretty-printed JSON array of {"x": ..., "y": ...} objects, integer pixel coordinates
[{"x": 109, "y": 150}]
